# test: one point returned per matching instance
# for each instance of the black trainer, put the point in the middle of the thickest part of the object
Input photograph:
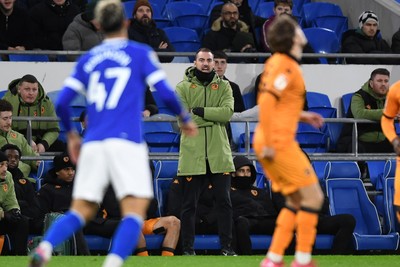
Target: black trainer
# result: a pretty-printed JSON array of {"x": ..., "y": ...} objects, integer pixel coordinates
[{"x": 228, "y": 252}]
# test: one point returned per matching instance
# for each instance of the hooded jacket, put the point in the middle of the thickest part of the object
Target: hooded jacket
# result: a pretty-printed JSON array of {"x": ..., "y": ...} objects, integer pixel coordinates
[
  {"x": 211, "y": 144},
  {"x": 250, "y": 202},
  {"x": 55, "y": 195},
  {"x": 364, "y": 105},
  {"x": 81, "y": 35},
  {"x": 44, "y": 132}
]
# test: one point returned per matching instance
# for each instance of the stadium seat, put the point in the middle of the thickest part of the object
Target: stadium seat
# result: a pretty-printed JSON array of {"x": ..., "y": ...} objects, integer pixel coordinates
[
  {"x": 323, "y": 41},
  {"x": 128, "y": 7},
  {"x": 249, "y": 100},
  {"x": 338, "y": 24},
  {"x": 342, "y": 169},
  {"x": 183, "y": 39},
  {"x": 345, "y": 103},
  {"x": 25, "y": 57},
  {"x": 312, "y": 142},
  {"x": 155, "y": 126},
  {"x": 254, "y": 5},
  {"x": 389, "y": 170},
  {"x": 162, "y": 141},
  {"x": 2, "y": 93},
  {"x": 319, "y": 9},
  {"x": 265, "y": 9},
  {"x": 298, "y": 5},
  {"x": 348, "y": 196},
  {"x": 391, "y": 223},
  {"x": 160, "y": 4},
  {"x": 243, "y": 141},
  {"x": 239, "y": 128},
  {"x": 98, "y": 243},
  {"x": 316, "y": 99},
  {"x": 165, "y": 171},
  {"x": 261, "y": 179},
  {"x": 375, "y": 170}
]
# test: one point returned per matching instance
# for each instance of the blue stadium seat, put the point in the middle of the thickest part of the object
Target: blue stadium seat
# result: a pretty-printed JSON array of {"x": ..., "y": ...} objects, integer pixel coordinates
[
  {"x": 312, "y": 142},
  {"x": 183, "y": 39},
  {"x": 338, "y": 24},
  {"x": 389, "y": 170},
  {"x": 345, "y": 103},
  {"x": 243, "y": 142},
  {"x": 316, "y": 99},
  {"x": 173, "y": 9},
  {"x": 239, "y": 128},
  {"x": 342, "y": 169},
  {"x": 348, "y": 196},
  {"x": 249, "y": 100},
  {"x": 323, "y": 41},
  {"x": 165, "y": 171},
  {"x": 32, "y": 58},
  {"x": 319, "y": 9},
  {"x": 128, "y": 7},
  {"x": 391, "y": 223},
  {"x": 254, "y": 5},
  {"x": 2, "y": 93},
  {"x": 298, "y": 5},
  {"x": 160, "y": 4},
  {"x": 162, "y": 141},
  {"x": 98, "y": 243},
  {"x": 265, "y": 9}
]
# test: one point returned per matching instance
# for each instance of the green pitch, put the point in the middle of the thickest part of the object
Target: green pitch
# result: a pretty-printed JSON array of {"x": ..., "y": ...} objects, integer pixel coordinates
[{"x": 205, "y": 261}]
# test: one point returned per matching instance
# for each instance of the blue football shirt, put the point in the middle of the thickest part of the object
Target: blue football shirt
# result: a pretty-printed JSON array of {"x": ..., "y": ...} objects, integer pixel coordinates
[{"x": 113, "y": 76}]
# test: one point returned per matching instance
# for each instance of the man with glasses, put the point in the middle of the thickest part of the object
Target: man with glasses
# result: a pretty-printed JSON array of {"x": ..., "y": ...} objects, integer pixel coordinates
[{"x": 229, "y": 34}]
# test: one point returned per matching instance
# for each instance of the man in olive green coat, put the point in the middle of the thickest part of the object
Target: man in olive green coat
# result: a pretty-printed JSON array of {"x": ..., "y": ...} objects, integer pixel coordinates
[
  {"x": 11, "y": 220},
  {"x": 9, "y": 136},
  {"x": 206, "y": 158},
  {"x": 28, "y": 98}
]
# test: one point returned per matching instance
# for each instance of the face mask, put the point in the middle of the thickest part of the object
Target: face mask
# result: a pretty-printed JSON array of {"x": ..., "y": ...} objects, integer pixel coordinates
[{"x": 242, "y": 182}]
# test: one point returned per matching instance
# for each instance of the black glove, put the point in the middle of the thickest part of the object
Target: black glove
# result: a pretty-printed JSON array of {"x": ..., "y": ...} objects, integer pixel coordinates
[
  {"x": 13, "y": 215},
  {"x": 198, "y": 111}
]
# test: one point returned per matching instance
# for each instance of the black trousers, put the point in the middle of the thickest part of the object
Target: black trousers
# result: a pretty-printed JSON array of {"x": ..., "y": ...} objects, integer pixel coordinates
[
  {"x": 192, "y": 189},
  {"x": 18, "y": 233},
  {"x": 342, "y": 226},
  {"x": 247, "y": 226}
]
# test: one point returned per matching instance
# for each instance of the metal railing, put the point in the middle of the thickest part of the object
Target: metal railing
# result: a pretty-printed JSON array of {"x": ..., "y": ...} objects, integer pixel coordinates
[
  {"x": 230, "y": 55},
  {"x": 354, "y": 156}
]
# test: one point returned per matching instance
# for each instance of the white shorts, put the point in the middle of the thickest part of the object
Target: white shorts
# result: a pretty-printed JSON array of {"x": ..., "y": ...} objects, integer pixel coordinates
[{"x": 122, "y": 163}]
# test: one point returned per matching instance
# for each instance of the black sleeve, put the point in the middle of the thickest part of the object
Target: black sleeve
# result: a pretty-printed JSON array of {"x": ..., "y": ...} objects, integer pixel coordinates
[
  {"x": 237, "y": 95},
  {"x": 150, "y": 103}
]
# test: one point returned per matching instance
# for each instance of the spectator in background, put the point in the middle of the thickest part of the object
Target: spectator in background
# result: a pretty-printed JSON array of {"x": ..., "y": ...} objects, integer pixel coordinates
[
  {"x": 396, "y": 42},
  {"x": 221, "y": 64},
  {"x": 368, "y": 103},
  {"x": 245, "y": 14},
  {"x": 283, "y": 7},
  {"x": 9, "y": 136},
  {"x": 206, "y": 158},
  {"x": 11, "y": 220},
  {"x": 280, "y": 7},
  {"x": 24, "y": 191},
  {"x": 229, "y": 34},
  {"x": 15, "y": 27},
  {"x": 143, "y": 29},
  {"x": 28, "y": 98},
  {"x": 82, "y": 34},
  {"x": 56, "y": 193},
  {"x": 366, "y": 39},
  {"x": 50, "y": 20}
]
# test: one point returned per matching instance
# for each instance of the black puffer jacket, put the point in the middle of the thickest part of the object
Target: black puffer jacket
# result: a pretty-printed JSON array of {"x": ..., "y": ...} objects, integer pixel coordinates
[
  {"x": 152, "y": 36},
  {"x": 50, "y": 22}
]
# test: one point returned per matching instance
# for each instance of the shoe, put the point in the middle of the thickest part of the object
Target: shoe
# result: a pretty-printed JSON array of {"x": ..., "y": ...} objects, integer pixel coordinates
[
  {"x": 37, "y": 258},
  {"x": 268, "y": 263},
  {"x": 188, "y": 252},
  {"x": 228, "y": 252},
  {"x": 296, "y": 264}
]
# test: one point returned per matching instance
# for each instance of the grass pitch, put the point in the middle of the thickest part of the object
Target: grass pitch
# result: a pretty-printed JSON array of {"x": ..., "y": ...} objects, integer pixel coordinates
[{"x": 206, "y": 261}]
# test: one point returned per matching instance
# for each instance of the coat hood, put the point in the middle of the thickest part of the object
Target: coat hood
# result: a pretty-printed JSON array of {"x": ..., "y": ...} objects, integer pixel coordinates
[
  {"x": 240, "y": 161},
  {"x": 217, "y": 25},
  {"x": 191, "y": 77},
  {"x": 12, "y": 87}
]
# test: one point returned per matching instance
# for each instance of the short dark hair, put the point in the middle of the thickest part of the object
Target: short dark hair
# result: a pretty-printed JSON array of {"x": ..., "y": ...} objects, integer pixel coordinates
[
  {"x": 5, "y": 105},
  {"x": 281, "y": 33},
  {"x": 380, "y": 71},
  {"x": 29, "y": 78},
  {"x": 220, "y": 54},
  {"x": 284, "y": 2},
  {"x": 203, "y": 49},
  {"x": 110, "y": 15},
  {"x": 11, "y": 147}
]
